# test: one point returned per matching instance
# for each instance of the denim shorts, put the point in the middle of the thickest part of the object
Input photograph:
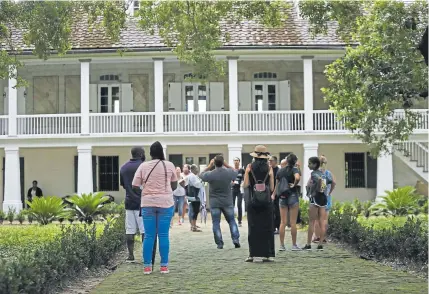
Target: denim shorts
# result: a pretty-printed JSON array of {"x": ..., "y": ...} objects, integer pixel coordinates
[{"x": 289, "y": 201}]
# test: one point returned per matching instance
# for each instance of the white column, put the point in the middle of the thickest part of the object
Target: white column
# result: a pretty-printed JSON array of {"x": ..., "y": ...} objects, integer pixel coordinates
[
  {"x": 234, "y": 150},
  {"x": 84, "y": 172},
  {"x": 13, "y": 101},
  {"x": 84, "y": 95},
  {"x": 308, "y": 92},
  {"x": 158, "y": 72},
  {"x": 12, "y": 181},
  {"x": 310, "y": 150},
  {"x": 164, "y": 149},
  {"x": 233, "y": 93},
  {"x": 384, "y": 175}
]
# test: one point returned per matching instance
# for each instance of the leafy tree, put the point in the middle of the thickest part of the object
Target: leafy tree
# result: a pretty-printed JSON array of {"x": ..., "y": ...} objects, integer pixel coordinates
[{"x": 382, "y": 69}]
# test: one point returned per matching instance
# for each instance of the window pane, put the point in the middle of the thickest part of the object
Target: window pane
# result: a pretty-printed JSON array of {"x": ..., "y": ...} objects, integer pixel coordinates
[
  {"x": 259, "y": 97},
  {"x": 108, "y": 173},
  {"x": 104, "y": 99},
  {"x": 271, "y": 97},
  {"x": 202, "y": 105},
  {"x": 355, "y": 170},
  {"x": 202, "y": 160}
]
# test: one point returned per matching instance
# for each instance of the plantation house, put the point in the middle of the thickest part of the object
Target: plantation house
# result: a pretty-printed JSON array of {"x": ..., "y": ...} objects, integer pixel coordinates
[{"x": 73, "y": 126}]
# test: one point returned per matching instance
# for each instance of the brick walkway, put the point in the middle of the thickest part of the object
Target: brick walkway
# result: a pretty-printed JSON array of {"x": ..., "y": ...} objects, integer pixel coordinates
[{"x": 197, "y": 266}]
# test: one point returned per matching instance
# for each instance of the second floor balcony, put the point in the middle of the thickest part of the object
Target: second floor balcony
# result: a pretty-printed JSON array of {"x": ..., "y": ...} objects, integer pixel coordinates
[{"x": 219, "y": 122}]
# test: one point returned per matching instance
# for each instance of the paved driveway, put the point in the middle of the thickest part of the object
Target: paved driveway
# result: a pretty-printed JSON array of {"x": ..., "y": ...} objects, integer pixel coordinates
[{"x": 197, "y": 266}]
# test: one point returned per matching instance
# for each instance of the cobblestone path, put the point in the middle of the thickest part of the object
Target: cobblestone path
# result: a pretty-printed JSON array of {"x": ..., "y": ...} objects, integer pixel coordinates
[{"x": 197, "y": 266}]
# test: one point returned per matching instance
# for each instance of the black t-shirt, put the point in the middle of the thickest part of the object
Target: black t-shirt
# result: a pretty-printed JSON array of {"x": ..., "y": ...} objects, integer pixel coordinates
[
  {"x": 275, "y": 171},
  {"x": 239, "y": 179},
  {"x": 288, "y": 173}
]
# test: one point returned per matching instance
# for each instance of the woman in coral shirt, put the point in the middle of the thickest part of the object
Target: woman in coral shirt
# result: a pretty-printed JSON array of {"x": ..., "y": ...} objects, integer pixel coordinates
[{"x": 158, "y": 178}]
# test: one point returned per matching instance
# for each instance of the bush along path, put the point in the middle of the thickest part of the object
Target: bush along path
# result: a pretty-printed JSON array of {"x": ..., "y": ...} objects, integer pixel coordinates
[
  {"x": 197, "y": 266},
  {"x": 41, "y": 267}
]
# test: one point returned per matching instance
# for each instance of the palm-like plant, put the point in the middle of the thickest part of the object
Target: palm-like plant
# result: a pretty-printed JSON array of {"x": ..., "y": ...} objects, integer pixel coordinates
[
  {"x": 88, "y": 206},
  {"x": 400, "y": 201},
  {"x": 47, "y": 209}
]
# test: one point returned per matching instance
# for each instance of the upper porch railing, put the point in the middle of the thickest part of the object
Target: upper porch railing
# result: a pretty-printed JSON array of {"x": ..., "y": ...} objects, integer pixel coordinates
[{"x": 324, "y": 121}]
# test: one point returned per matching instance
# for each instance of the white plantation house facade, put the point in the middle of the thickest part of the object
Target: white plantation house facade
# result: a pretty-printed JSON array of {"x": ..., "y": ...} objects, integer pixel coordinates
[{"x": 73, "y": 126}]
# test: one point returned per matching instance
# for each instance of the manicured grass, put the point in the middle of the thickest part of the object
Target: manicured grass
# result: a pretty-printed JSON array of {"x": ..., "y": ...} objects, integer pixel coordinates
[{"x": 196, "y": 266}]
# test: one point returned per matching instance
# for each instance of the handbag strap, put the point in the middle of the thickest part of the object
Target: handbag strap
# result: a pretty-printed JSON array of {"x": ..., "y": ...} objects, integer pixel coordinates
[
  {"x": 147, "y": 178},
  {"x": 254, "y": 178}
]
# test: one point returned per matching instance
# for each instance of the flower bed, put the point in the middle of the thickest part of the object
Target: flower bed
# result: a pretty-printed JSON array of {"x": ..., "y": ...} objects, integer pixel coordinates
[{"x": 57, "y": 253}]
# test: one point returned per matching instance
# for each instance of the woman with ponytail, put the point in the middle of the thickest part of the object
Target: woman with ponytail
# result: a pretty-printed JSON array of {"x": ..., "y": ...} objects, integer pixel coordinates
[{"x": 330, "y": 186}]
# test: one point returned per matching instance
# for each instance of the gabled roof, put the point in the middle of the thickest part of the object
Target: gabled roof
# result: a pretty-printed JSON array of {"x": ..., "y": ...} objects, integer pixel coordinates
[{"x": 247, "y": 34}]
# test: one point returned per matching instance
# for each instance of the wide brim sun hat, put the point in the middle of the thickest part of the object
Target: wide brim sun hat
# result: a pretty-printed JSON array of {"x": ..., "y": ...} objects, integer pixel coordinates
[{"x": 260, "y": 151}]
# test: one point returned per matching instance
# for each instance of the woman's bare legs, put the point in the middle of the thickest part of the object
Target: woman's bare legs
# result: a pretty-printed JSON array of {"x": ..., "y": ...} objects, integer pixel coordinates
[
  {"x": 283, "y": 221},
  {"x": 313, "y": 216},
  {"x": 293, "y": 213},
  {"x": 321, "y": 219}
]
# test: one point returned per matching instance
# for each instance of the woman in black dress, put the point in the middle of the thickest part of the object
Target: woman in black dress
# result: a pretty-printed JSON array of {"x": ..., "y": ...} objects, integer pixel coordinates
[{"x": 260, "y": 218}]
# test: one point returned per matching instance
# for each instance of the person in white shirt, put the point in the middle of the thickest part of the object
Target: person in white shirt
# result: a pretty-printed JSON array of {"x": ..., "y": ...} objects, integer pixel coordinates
[
  {"x": 196, "y": 196},
  {"x": 179, "y": 196}
]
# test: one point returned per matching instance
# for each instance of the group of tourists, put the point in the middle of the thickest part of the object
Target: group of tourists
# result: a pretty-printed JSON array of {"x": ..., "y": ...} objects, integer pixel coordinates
[{"x": 155, "y": 188}]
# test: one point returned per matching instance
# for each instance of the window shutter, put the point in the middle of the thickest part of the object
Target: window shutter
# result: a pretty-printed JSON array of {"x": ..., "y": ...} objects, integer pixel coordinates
[
  {"x": 94, "y": 173},
  {"x": 21, "y": 176},
  {"x": 244, "y": 96},
  {"x": 76, "y": 162},
  {"x": 371, "y": 171},
  {"x": 216, "y": 98},
  {"x": 127, "y": 100},
  {"x": 6, "y": 101},
  {"x": 174, "y": 97},
  {"x": 284, "y": 95},
  {"x": 93, "y": 98}
]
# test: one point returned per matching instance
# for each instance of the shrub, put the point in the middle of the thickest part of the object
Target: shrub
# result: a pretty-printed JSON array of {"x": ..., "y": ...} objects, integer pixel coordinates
[
  {"x": 88, "y": 206},
  {"x": 406, "y": 242},
  {"x": 304, "y": 206},
  {"x": 20, "y": 217},
  {"x": 71, "y": 251},
  {"x": 11, "y": 214},
  {"x": 47, "y": 209},
  {"x": 2, "y": 216},
  {"x": 401, "y": 201}
]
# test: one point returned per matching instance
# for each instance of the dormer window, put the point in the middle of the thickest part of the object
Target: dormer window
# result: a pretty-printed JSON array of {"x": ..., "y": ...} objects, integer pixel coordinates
[{"x": 136, "y": 6}]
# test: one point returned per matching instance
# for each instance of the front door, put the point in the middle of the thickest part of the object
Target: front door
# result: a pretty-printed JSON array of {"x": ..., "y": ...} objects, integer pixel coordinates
[
  {"x": 246, "y": 159},
  {"x": 196, "y": 100},
  {"x": 109, "y": 102},
  {"x": 264, "y": 98}
]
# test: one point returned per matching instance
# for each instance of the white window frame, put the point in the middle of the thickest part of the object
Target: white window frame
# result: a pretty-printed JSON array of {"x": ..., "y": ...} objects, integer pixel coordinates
[
  {"x": 265, "y": 85},
  {"x": 195, "y": 88},
  {"x": 109, "y": 98}
]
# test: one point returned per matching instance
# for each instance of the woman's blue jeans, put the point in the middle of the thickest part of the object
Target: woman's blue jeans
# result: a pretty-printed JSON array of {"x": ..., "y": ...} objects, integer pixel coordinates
[
  {"x": 156, "y": 220},
  {"x": 178, "y": 203}
]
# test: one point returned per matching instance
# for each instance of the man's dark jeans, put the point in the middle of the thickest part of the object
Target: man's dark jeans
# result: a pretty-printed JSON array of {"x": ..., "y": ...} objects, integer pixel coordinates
[
  {"x": 236, "y": 194},
  {"x": 228, "y": 213}
]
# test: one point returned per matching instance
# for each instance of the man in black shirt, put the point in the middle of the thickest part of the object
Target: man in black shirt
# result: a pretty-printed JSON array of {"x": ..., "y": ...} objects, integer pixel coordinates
[
  {"x": 133, "y": 220},
  {"x": 236, "y": 189},
  {"x": 276, "y": 214}
]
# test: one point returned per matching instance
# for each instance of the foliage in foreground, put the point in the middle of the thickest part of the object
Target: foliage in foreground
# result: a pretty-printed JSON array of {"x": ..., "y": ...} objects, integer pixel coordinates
[
  {"x": 88, "y": 206},
  {"x": 400, "y": 201},
  {"x": 50, "y": 263},
  {"x": 406, "y": 243}
]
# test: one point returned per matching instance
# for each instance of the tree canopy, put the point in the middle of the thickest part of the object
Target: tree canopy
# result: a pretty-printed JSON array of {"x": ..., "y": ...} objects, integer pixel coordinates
[
  {"x": 381, "y": 70},
  {"x": 384, "y": 71}
]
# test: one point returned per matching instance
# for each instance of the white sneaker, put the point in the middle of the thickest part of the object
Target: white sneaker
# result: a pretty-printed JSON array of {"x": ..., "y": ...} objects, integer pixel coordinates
[
  {"x": 282, "y": 248},
  {"x": 296, "y": 248}
]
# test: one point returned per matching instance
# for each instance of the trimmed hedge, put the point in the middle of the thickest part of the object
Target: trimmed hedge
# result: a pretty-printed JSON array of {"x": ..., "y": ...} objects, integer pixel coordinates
[
  {"x": 407, "y": 243},
  {"x": 76, "y": 248}
]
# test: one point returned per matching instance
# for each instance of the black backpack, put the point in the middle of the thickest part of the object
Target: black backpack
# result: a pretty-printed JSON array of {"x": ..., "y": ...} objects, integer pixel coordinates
[{"x": 261, "y": 192}]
